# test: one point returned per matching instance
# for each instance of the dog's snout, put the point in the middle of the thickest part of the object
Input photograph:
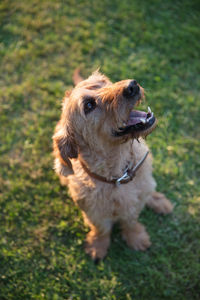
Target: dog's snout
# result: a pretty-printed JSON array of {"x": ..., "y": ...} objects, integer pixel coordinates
[{"x": 132, "y": 89}]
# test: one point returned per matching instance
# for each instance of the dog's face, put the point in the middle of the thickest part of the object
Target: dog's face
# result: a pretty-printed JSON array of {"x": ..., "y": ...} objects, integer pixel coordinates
[{"x": 98, "y": 113}]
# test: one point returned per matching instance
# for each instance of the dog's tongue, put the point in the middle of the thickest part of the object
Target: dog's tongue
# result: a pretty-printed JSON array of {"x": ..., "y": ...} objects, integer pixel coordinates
[{"x": 135, "y": 117}]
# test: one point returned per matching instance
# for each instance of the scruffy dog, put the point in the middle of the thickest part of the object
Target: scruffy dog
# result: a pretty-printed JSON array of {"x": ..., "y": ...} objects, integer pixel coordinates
[{"x": 101, "y": 156}]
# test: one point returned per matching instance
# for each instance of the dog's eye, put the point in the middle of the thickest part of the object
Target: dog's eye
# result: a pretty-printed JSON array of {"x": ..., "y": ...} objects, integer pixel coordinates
[{"x": 89, "y": 105}]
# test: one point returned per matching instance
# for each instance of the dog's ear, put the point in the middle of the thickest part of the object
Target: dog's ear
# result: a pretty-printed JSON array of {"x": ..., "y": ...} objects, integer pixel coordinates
[
  {"x": 77, "y": 77},
  {"x": 64, "y": 148}
]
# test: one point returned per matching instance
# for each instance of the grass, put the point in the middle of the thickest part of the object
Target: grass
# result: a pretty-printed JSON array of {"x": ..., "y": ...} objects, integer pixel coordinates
[{"x": 41, "y": 231}]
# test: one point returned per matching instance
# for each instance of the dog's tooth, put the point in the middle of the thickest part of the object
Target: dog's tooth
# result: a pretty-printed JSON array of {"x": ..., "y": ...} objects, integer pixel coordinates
[
  {"x": 149, "y": 110},
  {"x": 150, "y": 117},
  {"x": 143, "y": 120}
]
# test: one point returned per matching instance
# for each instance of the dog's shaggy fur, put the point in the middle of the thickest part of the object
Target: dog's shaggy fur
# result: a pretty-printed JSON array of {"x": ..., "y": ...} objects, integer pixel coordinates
[{"x": 92, "y": 112}]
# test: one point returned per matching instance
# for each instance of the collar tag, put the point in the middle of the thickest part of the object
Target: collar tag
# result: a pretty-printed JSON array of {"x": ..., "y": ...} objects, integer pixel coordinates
[{"x": 124, "y": 177}]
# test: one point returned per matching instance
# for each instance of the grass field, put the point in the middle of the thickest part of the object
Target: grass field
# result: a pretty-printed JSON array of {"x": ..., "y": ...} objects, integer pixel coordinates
[{"x": 41, "y": 231}]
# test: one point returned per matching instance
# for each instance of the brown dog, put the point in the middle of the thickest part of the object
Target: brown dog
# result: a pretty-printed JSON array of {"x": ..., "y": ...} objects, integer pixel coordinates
[{"x": 107, "y": 169}]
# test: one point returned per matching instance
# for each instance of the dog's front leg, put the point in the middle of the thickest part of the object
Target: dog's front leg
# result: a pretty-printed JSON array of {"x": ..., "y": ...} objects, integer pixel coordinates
[
  {"x": 135, "y": 235},
  {"x": 97, "y": 245},
  {"x": 98, "y": 239}
]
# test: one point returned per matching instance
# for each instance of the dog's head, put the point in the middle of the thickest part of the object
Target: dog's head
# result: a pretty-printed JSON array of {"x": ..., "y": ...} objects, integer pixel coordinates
[{"x": 98, "y": 113}]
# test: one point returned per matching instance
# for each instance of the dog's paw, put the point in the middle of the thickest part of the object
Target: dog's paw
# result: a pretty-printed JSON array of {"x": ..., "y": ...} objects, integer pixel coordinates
[
  {"x": 160, "y": 204},
  {"x": 97, "y": 246},
  {"x": 137, "y": 238}
]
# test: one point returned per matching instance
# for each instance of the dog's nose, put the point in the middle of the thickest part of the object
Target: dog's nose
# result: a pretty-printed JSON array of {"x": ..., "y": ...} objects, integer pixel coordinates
[{"x": 132, "y": 89}]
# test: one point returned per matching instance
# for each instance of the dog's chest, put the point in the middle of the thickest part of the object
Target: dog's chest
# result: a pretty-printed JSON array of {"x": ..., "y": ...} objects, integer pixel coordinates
[
  {"x": 124, "y": 198},
  {"x": 116, "y": 205},
  {"x": 131, "y": 196}
]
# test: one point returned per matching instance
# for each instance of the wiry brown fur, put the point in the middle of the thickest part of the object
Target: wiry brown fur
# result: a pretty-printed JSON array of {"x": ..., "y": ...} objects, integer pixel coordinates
[{"x": 90, "y": 138}]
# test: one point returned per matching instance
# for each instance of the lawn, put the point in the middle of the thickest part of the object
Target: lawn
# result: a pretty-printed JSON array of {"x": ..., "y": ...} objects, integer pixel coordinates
[{"x": 41, "y": 231}]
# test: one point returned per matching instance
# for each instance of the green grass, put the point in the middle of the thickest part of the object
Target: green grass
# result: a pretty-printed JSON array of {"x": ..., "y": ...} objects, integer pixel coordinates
[{"x": 41, "y": 231}]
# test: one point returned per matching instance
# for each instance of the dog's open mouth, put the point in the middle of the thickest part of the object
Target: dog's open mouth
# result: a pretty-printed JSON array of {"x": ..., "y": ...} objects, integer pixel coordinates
[{"x": 139, "y": 123}]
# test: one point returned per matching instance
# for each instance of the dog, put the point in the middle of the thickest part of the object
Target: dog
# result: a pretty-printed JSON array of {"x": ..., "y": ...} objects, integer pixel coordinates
[{"x": 100, "y": 153}]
